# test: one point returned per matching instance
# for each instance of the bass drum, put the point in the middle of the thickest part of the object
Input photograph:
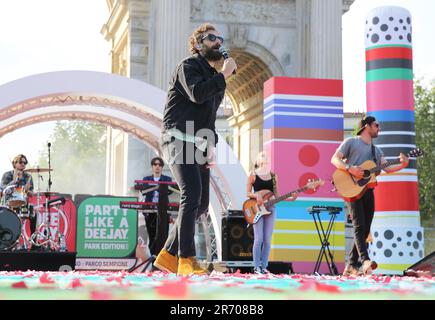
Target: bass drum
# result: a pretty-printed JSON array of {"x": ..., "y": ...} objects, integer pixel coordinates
[{"x": 10, "y": 227}]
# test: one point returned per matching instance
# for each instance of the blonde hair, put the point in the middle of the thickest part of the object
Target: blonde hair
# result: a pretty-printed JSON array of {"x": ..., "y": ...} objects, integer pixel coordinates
[{"x": 260, "y": 154}]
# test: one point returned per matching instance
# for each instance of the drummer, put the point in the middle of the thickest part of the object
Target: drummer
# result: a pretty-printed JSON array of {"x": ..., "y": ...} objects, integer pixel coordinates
[{"x": 18, "y": 176}]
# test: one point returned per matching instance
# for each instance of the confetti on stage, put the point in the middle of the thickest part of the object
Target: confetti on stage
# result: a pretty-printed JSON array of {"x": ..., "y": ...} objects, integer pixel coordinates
[{"x": 94, "y": 285}]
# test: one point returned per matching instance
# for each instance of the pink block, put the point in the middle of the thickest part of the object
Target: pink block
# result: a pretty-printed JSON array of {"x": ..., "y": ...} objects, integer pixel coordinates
[
  {"x": 390, "y": 95},
  {"x": 295, "y": 162}
]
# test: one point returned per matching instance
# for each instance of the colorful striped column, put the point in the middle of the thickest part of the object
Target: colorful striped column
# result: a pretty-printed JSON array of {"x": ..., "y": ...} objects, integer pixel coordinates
[
  {"x": 303, "y": 126},
  {"x": 398, "y": 236}
]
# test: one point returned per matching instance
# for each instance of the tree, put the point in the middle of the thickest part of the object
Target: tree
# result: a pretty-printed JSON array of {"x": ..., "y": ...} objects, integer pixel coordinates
[
  {"x": 78, "y": 158},
  {"x": 424, "y": 100}
]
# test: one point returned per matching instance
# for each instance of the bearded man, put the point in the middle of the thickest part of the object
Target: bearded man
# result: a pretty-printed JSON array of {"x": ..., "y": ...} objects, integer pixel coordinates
[{"x": 189, "y": 139}]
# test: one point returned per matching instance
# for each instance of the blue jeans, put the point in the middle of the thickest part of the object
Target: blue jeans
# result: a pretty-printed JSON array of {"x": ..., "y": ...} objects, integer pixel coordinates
[{"x": 263, "y": 230}]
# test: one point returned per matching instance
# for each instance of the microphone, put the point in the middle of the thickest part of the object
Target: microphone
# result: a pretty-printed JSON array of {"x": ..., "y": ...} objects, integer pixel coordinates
[{"x": 225, "y": 54}]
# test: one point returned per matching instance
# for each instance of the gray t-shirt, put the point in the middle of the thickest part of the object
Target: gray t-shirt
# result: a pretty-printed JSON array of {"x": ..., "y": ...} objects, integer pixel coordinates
[{"x": 356, "y": 151}]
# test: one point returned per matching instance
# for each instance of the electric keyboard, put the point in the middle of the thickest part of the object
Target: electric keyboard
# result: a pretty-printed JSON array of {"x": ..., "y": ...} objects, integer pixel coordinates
[
  {"x": 324, "y": 208},
  {"x": 146, "y": 184},
  {"x": 152, "y": 206}
]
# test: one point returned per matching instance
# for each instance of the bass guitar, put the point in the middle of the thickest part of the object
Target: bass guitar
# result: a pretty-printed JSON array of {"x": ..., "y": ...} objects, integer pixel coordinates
[{"x": 253, "y": 212}]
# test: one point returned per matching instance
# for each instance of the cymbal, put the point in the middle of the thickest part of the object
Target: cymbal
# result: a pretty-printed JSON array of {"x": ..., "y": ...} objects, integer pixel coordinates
[{"x": 38, "y": 170}]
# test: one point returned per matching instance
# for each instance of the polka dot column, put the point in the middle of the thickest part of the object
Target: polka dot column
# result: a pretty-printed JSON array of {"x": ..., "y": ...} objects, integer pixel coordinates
[
  {"x": 303, "y": 124},
  {"x": 398, "y": 240}
]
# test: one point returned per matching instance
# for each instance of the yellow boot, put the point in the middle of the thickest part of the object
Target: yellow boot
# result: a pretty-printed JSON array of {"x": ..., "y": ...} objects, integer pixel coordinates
[
  {"x": 166, "y": 262},
  {"x": 189, "y": 266}
]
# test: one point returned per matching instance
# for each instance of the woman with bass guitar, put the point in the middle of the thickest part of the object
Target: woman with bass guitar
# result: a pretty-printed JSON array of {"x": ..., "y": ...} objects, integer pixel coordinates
[{"x": 263, "y": 181}]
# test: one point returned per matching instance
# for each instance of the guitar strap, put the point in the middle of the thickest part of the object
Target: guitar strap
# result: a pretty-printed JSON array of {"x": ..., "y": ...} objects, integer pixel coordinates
[
  {"x": 274, "y": 182},
  {"x": 374, "y": 154}
]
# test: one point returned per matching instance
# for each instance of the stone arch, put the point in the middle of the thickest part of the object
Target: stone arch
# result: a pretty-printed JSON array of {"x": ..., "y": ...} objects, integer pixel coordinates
[
  {"x": 255, "y": 65},
  {"x": 127, "y": 104}
]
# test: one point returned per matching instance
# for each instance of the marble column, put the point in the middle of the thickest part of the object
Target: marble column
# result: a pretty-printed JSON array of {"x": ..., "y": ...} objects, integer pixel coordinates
[
  {"x": 318, "y": 25},
  {"x": 138, "y": 28},
  {"x": 303, "y": 11},
  {"x": 169, "y": 33},
  {"x": 325, "y": 39}
]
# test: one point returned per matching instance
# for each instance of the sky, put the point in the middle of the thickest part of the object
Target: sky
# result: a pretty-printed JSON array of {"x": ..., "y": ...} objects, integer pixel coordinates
[
  {"x": 43, "y": 36},
  {"x": 423, "y": 28},
  {"x": 53, "y": 35}
]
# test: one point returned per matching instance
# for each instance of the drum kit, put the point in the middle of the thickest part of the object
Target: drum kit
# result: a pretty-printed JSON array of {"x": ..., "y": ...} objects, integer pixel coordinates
[{"x": 18, "y": 206}]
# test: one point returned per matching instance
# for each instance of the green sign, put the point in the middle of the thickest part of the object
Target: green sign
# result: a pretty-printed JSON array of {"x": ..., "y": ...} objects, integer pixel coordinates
[{"x": 104, "y": 230}]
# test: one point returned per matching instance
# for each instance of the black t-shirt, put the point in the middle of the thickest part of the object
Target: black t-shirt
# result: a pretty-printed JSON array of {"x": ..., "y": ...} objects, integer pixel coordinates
[{"x": 260, "y": 184}]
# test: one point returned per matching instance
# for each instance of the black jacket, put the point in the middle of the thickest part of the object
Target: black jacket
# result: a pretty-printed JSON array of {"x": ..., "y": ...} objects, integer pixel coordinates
[
  {"x": 149, "y": 195},
  {"x": 195, "y": 93}
]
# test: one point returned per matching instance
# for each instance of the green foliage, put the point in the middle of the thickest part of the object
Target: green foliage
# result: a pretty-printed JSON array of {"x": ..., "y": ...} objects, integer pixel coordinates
[
  {"x": 425, "y": 139},
  {"x": 355, "y": 130},
  {"x": 78, "y": 153}
]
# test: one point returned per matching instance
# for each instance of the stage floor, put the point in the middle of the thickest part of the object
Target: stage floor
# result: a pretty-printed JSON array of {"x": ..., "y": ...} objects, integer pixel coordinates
[{"x": 99, "y": 285}]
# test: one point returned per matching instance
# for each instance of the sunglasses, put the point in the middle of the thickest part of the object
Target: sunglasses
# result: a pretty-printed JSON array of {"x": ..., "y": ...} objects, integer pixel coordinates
[
  {"x": 376, "y": 124},
  {"x": 157, "y": 164},
  {"x": 22, "y": 162},
  {"x": 212, "y": 37}
]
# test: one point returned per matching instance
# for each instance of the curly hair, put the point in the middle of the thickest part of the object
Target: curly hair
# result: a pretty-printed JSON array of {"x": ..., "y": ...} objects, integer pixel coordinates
[{"x": 195, "y": 37}]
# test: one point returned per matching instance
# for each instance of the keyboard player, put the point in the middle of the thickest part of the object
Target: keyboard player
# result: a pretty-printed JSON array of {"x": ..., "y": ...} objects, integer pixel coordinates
[{"x": 157, "y": 165}]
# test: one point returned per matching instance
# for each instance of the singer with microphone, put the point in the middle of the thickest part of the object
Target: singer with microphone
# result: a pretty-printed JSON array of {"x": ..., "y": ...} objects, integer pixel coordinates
[{"x": 189, "y": 139}]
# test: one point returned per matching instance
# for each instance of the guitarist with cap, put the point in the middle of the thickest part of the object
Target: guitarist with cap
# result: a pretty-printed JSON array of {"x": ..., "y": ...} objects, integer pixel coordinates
[{"x": 349, "y": 157}]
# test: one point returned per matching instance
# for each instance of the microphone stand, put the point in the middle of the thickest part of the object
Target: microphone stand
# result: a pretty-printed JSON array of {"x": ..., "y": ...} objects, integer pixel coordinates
[
  {"x": 47, "y": 219},
  {"x": 49, "y": 168}
]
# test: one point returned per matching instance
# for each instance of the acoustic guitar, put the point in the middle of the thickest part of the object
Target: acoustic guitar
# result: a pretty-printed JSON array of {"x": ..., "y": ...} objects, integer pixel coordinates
[
  {"x": 351, "y": 188},
  {"x": 253, "y": 212}
]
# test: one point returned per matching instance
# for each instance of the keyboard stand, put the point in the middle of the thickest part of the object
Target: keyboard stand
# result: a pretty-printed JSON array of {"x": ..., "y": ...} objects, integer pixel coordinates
[{"x": 324, "y": 239}]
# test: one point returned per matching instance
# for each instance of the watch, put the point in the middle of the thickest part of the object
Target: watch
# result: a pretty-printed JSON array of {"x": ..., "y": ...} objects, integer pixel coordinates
[{"x": 347, "y": 167}]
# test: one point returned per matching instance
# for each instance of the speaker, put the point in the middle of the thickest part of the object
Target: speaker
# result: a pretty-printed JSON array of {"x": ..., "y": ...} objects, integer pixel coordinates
[
  {"x": 79, "y": 197},
  {"x": 237, "y": 237},
  {"x": 280, "y": 267},
  {"x": 39, "y": 261},
  {"x": 425, "y": 266},
  {"x": 275, "y": 267}
]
